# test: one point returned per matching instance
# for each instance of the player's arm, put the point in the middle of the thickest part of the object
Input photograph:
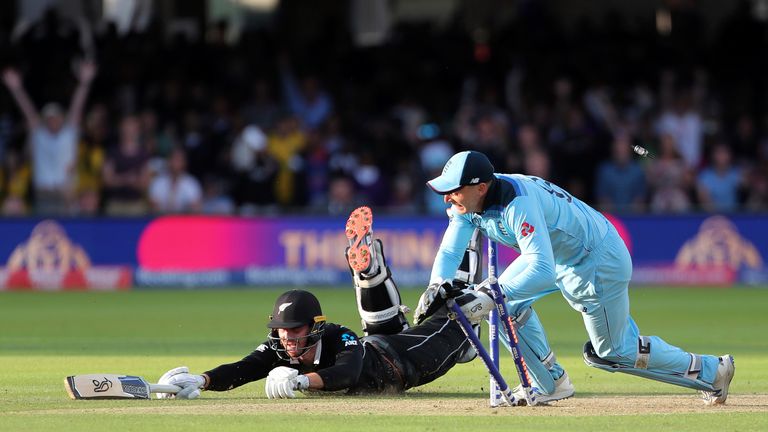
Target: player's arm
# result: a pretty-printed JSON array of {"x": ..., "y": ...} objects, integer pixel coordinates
[
  {"x": 452, "y": 247},
  {"x": 225, "y": 377},
  {"x": 346, "y": 370},
  {"x": 525, "y": 219},
  {"x": 252, "y": 367}
]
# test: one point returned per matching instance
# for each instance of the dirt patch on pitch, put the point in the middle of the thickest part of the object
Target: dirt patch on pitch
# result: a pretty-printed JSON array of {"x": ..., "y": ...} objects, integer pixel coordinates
[{"x": 422, "y": 405}]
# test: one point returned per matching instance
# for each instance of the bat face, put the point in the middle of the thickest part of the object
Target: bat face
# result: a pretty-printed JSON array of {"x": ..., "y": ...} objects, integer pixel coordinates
[{"x": 106, "y": 386}]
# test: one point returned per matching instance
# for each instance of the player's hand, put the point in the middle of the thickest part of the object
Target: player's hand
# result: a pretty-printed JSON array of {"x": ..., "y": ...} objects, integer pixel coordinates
[
  {"x": 476, "y": 304},
  {"x": 431, "y": 300},
  {"x": 180, "y": 376},
  {"x": 282, "y": 382}
]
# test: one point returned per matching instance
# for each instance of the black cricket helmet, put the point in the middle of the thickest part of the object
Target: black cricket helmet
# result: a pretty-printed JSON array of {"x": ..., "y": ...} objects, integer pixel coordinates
[{"x": 296, "y": 308}]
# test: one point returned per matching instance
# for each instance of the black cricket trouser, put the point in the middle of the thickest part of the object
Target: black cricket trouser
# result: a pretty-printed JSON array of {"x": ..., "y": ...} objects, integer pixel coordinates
[{"x": 424, "y": 352}]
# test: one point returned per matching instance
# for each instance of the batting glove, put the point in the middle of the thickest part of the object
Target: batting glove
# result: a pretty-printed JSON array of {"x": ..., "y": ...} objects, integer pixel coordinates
[
  {"x": 180, "y": 376},
  {"x": 431, "y": 300},
  {"x": 282, "y": 382}
]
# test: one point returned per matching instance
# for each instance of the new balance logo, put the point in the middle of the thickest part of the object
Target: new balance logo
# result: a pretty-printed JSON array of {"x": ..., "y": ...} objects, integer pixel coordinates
[{"x": 447, "y": 165}]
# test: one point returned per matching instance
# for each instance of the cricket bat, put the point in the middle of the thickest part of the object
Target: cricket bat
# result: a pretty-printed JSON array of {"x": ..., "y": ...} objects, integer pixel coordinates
[{"x": 112, "y": 386}]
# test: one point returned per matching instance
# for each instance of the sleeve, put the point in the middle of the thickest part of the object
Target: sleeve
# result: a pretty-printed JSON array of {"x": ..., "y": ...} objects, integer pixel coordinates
[
  {"x": 348, "y": 364},
  {"x": 194, "y": 190},
  {"x": 252, "y": 367},
  {"x": 291, "y": 92},
  {"x": 454, "y": 243},
  {"x": 154, "y": 193},
  {"x": 525, "y": 219}
]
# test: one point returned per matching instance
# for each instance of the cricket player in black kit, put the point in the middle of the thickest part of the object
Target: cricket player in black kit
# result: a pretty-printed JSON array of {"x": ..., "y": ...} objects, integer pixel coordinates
[{"x": 304, "y": 352}]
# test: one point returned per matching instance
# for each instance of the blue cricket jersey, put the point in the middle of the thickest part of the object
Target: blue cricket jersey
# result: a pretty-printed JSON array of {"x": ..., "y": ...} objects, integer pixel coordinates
[{"x": 552, "y": 230}]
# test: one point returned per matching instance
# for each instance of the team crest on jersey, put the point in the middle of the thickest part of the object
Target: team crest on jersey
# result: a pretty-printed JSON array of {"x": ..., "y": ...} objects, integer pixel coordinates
[
  {"x": 261, "y": 348},
  {"x": 527, "y": 229},
  {"x": 348, "y": 339},
  {"x": 502, "y": 229}
]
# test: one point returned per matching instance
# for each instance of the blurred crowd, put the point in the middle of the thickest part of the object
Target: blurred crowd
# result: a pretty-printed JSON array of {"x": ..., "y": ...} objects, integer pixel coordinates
[{"x": 147, "y": 123}]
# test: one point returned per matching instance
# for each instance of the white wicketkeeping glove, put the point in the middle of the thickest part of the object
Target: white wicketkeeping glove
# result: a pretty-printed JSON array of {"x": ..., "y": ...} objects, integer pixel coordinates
[
  {"x": 190, "y": 384},
  {"x": 475, "y": 304},
  {"x": 282, "y": 382}
]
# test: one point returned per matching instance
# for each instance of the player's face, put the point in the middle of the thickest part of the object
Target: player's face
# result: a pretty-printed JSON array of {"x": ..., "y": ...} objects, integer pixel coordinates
[
  {"x": 293, "y": 339},
  {"x": 467, "y": 199}
]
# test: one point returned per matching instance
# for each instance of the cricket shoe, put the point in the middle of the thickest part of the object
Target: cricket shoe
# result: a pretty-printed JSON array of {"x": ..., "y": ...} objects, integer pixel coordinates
[
  {"x": 725, "y": 371},
  {"x": 563, "y": 390},
  {"x": 359, "y": 232}
]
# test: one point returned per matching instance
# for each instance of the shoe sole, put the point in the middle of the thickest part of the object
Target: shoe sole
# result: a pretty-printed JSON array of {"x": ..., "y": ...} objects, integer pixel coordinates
[{"x": 358, "y": 227}]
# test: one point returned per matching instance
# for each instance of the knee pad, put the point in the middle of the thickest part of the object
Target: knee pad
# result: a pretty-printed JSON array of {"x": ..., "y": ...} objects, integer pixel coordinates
[
  {"x": 534, "y": 347},
  {"x": 468, "y": 272},
  {"x": 378, "y": 299}
]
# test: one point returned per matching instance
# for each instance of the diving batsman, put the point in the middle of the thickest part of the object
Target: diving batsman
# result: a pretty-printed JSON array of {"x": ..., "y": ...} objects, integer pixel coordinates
[{"x": 304, "y": 351}]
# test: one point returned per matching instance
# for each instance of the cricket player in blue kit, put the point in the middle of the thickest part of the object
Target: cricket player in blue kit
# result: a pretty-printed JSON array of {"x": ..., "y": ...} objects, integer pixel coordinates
[{"x": 568, "y": 246}]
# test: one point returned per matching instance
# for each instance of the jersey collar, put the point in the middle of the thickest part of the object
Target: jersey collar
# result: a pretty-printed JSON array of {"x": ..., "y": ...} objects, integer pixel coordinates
[{"x": 493, "y": 196}]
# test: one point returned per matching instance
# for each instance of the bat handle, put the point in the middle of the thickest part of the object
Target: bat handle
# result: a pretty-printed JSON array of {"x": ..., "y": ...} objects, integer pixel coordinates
[{"x": 164, "y": 388}]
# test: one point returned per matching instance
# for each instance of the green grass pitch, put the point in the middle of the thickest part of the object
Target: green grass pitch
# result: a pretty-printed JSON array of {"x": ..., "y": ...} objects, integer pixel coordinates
[{"x": 47, "y": 336}]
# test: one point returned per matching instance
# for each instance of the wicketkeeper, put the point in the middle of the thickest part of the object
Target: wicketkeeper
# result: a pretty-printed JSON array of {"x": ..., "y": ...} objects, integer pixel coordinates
[
  {"x": 305, "y": 352},
  {"x": 565, "y": 246}
]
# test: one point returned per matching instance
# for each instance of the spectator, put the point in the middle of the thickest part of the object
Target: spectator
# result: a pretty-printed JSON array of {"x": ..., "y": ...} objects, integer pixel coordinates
[
  {"x": 215, "y": 198},
  {"x": 620, "y": 184},
  {"x": 286, "y": 144},
  {"x": 537, "y": 164},
  {"x": 307, "y": 100},
  {"x": 175, "y": 191},
  {"x": 718, "y": 185},
  {"x": 527, "y": 141},
  {"x": 14, "y": 184},
  {"x": 341, "y": 196},
  {"x": 317, "y": 169},
  {"x": 53, "y": 137},
  {"x": 261, "y": 109},
  {"x": 685, "y": 125},
  {"x": 90, "y": 160},
  {"x": 256, "y": 171},
  {"x": 669, "y": 179},
  {"x": 126, "y": 172}
]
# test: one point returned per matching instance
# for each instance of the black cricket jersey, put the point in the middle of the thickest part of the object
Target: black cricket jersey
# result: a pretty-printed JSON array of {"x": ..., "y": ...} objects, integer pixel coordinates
[{"x": 342, "y": 364}]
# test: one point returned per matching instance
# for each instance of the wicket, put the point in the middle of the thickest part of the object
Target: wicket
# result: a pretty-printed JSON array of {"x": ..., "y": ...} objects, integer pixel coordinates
[{"x": 500, "y": 315}]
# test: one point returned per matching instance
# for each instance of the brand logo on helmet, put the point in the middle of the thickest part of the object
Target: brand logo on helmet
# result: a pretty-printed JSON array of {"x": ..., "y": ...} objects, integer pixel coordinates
[
  {"x": 282, "y": 307},
  {"x": 475, "y": 180}
]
